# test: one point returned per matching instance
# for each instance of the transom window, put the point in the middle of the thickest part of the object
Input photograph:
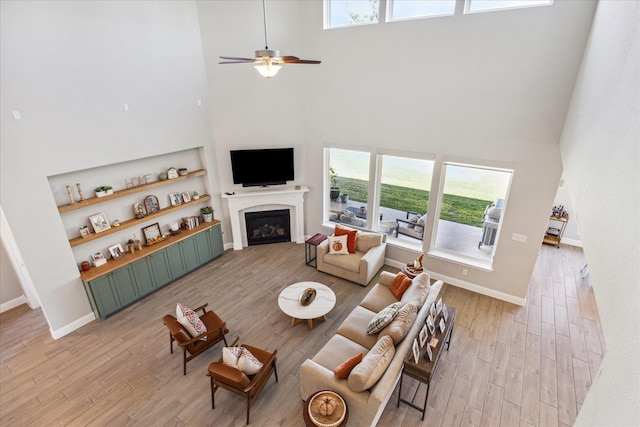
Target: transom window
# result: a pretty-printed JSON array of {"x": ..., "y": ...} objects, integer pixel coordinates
[
  {"x": 411, "y": 9},
  {"x": 472, "y": 6}
]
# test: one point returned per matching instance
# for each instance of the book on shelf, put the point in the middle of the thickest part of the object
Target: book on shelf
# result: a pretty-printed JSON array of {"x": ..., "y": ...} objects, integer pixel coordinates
[{"x": 191, "y": 222}]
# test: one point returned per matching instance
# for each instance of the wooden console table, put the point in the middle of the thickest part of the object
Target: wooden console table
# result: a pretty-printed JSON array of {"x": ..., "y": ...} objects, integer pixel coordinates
[{"x": 423, "y": 370}]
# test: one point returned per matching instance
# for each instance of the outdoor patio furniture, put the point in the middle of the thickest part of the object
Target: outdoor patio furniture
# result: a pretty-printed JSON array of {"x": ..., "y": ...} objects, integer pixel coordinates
[{"x": 413, "y": 227}]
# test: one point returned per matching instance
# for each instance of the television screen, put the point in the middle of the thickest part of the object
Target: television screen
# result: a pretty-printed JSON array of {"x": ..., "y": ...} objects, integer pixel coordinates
[{"x": 263, "y": 167}]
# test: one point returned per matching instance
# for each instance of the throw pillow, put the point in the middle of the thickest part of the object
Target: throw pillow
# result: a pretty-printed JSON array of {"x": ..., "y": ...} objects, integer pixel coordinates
[
  {"x": 338, "y": 245},
  {"x": 373, "y": 365},
  {"x": 401, "y": 325},
  {"x": 366, "y": 241},
  {"x": 412, "y": 222},
  {"x": 241, "y": 358},
  {"x": 399, "y": 285},
  {"x": 351, "y": 237},
  {"x": 343, "y": 370},
  {"x": 418, "y": 290},
  {"x": 383, "y": 318},
  {"x": 191, "y": 321}
]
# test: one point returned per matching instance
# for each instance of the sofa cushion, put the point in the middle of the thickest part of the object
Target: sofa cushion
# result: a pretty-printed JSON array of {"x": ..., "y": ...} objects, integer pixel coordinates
[
  {"x": 366, "y": 241},
  {"x": 338, "y": 245},
  {"x": 373, "y": 365},
  {"x": 337, "y": 350},
  {"x": 355, "y": 326},
  {"x": 400, "y": 326},
  {"x": 343, "y": 370},
  {"x": 351, "y": 237},
  {"x": 349, "y": 262},
  {"x": 383, "y": 318},
  {"x": 379, "y": 297},
  {"x": 399, "y": 285},
  {"x": 418, "y": 290}
]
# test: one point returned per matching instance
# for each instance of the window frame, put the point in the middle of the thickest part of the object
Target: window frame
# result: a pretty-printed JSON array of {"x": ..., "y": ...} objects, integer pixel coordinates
[{"x": 468, "y": 3}]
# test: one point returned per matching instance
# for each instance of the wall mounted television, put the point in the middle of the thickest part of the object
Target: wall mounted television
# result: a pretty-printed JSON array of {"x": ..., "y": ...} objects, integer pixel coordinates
[{"x": 262, "y": 167}]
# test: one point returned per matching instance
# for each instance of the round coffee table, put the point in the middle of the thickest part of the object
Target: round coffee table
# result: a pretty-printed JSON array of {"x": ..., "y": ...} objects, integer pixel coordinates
[{"x": 289, "y": 302}]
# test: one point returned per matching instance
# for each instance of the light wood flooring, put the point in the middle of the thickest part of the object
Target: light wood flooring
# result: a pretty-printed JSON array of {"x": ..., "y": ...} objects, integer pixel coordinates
[{"x": 507, "y": 365}]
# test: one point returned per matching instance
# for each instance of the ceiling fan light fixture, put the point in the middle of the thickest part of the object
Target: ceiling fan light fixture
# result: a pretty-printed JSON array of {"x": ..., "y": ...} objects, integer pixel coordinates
[{"x": 267, "y": 69}]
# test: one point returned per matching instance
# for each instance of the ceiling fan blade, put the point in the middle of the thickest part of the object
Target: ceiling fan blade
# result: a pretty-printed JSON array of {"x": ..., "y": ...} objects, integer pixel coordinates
[
  {"x": 235, "y": 58},
  {"x": 234, "y": 62},
  {"x": 301, "y": 61},
  {"x": 289, "y": 58}
]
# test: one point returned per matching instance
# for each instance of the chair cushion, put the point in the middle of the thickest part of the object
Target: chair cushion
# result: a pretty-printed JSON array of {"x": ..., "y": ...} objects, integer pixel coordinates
[
  {"x": 373, "y": 365},
  {"x": 351, "y": 237},
  {"x": 190, "y": 320},
  {"x": 229, "y": 375},
  {"x": 343, "y": 370},
  {"x": 241, "y": 358},
  {"x": 338, "y": 245},
  {"x": 418, "y": 290},
  {"x": 399, "y": 285},
  {"x": 401, "y": 325},
  {"x": 366, "y": 241},
  {"x": 383, "y": 318}
]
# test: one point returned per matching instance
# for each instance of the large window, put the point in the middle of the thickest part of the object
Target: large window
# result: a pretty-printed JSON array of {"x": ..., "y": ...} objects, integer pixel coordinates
[
  {"x": 471, "y": 204},
  {"x": 349, "y": 186}
]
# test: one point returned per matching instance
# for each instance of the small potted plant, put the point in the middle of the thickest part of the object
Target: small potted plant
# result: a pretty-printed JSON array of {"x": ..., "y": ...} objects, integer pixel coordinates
[
  {"x": 207, "y": 213},
  {"x": 195, "y": 195},
  {"x": 334, "y": 191},
  {"x": 104, "y": 190}
]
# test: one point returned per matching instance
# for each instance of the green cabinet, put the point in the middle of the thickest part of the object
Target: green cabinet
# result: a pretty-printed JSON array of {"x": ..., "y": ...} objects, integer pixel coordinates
[{"x": 115, "y": 290}]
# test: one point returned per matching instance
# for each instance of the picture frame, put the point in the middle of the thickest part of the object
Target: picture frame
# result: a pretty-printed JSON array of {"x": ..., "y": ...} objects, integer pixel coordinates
[
  {"x": 445, "y": 313},
  {"x": 172, "y": 173},
  {"x": 431, "y": 325},
  {"x": 116, "y": 251},
  {"x": 428, "y": 354},
  {"x": 423, "y": 335},
  {"x": 175, "y": 199},
  {"x": 416, "y": 351},
  {"x": 442, "y": 326},
  {"x": 439, "y": 306},
  {"x": 99, "y": 222},
  {"x": 84, "y": 231},
  {"x": 186, "y": 197},
  {"x": 151, "y": 204},
  {"x": 151, "y": 233},
  {"x": 97, "y": 256},
  {"x": 432, "y": 310},
  {"x": 139, "y": 211}
]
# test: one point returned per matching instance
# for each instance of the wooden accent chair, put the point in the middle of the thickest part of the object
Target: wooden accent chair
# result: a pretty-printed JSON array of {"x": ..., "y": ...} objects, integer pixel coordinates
[
  {"x": 193, "y": 346},
  {"x": 236, "y": 381}
]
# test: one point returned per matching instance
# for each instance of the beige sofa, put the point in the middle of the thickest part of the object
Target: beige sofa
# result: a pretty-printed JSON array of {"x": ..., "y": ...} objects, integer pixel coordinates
[
  {"x": 365, "y": 407},
  {"x": 359, "y": 267}
]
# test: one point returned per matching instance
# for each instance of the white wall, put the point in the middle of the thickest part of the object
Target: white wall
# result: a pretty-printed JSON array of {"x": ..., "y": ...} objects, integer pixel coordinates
[
  {"x": 484, "y": 86},
  {"x": 600, "y": 151},
  {"x": 68, "y": 68},
  {"x": 10, "y": 289}
]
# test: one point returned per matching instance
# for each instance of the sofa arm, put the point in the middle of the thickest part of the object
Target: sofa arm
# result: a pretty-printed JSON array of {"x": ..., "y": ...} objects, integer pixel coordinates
[
  {"x": 321, "y": 250},
  {"x": 386, "y": 278}
]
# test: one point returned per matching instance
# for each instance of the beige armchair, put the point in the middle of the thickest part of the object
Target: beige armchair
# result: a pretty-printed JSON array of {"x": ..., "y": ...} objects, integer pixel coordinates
[{"x": 359, "y": 267}]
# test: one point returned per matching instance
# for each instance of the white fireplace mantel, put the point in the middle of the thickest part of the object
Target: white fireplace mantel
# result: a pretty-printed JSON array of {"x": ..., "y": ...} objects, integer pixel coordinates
[{"x": 288, "y": 196}]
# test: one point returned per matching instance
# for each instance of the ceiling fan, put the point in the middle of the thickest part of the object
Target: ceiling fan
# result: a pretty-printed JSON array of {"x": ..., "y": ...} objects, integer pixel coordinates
[{"x": 267, "y": 61}]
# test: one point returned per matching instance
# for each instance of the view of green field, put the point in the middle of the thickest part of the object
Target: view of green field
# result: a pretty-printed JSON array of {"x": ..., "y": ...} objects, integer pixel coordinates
[{"x": 467, "y": 191}]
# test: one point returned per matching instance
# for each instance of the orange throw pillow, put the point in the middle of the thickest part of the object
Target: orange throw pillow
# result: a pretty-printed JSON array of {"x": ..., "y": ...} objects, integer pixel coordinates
[
  {"x": 399, "y": 285},
  {"x": 343, "y": 370},
  {"x": 351, "y": 237}
]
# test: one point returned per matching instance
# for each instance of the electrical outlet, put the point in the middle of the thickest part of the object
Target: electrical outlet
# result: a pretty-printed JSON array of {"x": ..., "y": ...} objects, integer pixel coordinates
[
  {"x": 464, "y": 271},
  {"x": 519, "y": 238}
]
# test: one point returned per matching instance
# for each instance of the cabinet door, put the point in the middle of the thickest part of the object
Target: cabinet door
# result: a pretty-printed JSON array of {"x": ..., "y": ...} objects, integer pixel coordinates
[
  {"x": 204, "y": 248},
  {"x": 124, "y": 284},
  {"x": 144, "y": 278},
  {"x": 159, "y": 265},
  {"x": 176, "y": 265},
  {"x": 215, "y": 240},
  {"x": 104, "y": 295},
  {"x": 190, "y": 253}
]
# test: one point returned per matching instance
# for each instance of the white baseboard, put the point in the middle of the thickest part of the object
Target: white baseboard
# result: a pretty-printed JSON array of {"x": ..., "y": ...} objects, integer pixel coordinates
[
  {"x": 467, "y": 285},
  {"x": 13, "y": 303},
  {"x": 76, "y": 324}
]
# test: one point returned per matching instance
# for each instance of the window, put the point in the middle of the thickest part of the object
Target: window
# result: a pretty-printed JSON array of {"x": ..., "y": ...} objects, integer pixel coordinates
[
  {"x": 344, "y": 13},
  {"x": 472, "y": 6},
  {"x": 349, "y": 186},
  {"x": 409, "y": 9},
  {"x": 470, "y": 204}
]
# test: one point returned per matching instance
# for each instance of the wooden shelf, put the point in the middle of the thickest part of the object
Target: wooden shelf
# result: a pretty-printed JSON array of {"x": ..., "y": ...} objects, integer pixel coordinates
[
  {"x": 552, "y": 239},
  {"x": 77, "y": 241},
  {"x": 127, "y": 192}
]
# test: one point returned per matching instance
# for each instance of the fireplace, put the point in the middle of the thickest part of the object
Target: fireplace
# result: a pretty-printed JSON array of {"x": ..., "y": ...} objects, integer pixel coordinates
[{"x": 268, "y": 227}]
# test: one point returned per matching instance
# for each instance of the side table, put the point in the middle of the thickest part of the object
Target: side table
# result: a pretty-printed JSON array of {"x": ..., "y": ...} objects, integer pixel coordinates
[
  {"x": 423, "y": 370},
  {"x": 313, "y": 242},
  {"x": 312, "y": 417}
]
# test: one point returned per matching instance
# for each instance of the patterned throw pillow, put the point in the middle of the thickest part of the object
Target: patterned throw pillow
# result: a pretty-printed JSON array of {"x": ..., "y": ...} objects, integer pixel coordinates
[
  {"x": 241, "y": 358},
  {"x": 191, "y": 321},
  {"x": 338, "y": 245},
  {"x": 383, "y": 318}
]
